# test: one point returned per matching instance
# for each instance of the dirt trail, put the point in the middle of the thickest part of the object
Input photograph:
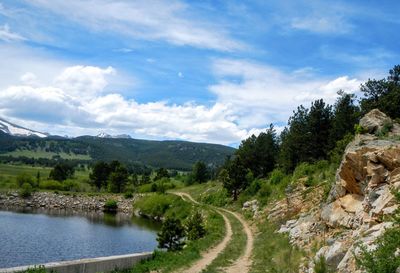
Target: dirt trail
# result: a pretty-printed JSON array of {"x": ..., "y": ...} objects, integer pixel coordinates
[
  {"x": 211, "y": 254},
  {"x": 243, "y": 263}
]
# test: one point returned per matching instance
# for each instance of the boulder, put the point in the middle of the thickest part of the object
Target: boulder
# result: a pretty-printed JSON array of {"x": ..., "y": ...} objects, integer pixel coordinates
[{"x": 374, "y": 121}]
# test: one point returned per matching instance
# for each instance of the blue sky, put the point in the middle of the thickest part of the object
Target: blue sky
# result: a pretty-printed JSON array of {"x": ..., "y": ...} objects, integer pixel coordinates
[{"x": 208, "y": 71}]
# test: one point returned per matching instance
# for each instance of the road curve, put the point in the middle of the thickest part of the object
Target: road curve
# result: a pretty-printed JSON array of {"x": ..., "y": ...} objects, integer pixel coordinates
[
  {"x": 210, "y": 255},
  {"x": 243, "y": 263}
]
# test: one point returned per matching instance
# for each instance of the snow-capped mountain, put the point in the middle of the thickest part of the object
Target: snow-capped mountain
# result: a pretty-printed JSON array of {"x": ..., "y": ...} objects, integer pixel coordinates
[
  {"x": 15, "y": 130},
  {"x": 105, "y": 135}
]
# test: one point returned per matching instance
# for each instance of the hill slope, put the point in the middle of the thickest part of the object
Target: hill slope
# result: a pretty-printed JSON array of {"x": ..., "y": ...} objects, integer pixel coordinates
[{"x": 179, "y": 155}]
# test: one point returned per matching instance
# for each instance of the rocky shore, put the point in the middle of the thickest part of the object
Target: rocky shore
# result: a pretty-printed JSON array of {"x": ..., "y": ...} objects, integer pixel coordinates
[{"x": 71, "y": 201}]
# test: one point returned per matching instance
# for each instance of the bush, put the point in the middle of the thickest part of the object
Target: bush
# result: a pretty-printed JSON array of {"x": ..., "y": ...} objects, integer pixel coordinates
[
  {"x": 171, "y": 235},
  {"x": 195, "y": 226},
  {"x": 386, "y": 128},
  {"x": 276, "y": 176},
  {"x": 24, "y": 178},
  {"x": 358, "y": 129},
  {"x": 218, "y": 198},
  {"x": 51, "y": 185},
  {"x": 320, "y": 265},
  {"x": 163, "y": 205},
  {"x": 111, "y": 205},
  {"x": 128, "y": 195},
  {"x": 384, "y": 258},
  {"x": 26, "y": 190}
]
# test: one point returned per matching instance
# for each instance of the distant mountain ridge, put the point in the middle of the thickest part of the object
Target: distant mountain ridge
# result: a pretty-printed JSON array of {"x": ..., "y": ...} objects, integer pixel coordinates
[
  {"x": 16, "y": 130},
  {"x": 17, "y": 142}
]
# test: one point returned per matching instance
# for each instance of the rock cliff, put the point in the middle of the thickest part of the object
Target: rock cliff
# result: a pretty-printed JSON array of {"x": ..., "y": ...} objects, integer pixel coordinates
[{"x": 359, "y": 202}]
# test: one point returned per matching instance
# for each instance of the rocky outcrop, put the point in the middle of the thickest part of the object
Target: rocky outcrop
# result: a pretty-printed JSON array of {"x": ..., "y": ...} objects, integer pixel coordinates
[
  {"x": 358, "y": 202},
  {"x": 51, "y": 200},
  {"x": 374, "y": 121}
]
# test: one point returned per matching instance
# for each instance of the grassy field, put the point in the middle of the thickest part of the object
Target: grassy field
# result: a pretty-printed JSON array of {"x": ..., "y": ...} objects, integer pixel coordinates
[
  {"x": 8, "y": 174},
  {"x": 43, "y": 154}
]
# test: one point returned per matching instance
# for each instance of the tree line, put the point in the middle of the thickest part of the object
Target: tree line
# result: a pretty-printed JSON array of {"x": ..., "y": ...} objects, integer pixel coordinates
[{"x": 312, "y": 133}]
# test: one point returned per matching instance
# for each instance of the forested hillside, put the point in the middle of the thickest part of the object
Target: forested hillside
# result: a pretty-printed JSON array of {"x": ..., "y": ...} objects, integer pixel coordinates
[{"x": 179, "y": 155}]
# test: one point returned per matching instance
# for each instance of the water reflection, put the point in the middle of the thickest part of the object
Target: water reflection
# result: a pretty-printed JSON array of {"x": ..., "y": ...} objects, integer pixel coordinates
[
  {"x": 95, "y": 217},
  {"x": 36, "y": 236}
]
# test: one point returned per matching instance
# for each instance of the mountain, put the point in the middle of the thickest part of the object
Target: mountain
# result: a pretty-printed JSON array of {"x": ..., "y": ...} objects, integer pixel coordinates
[
  {"x": 18, "y": 144},
  {"x": 16, "y": 130},
  {"x": 105, "y": 135}
]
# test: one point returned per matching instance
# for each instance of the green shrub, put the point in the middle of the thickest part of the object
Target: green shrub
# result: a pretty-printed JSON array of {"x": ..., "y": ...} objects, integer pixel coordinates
[
  {"x": 26, "y": 190},
  {"x": 218, "y": 198},
  {"x": 24, "y": 178},
  {"x": 171, "y": 235},
  {"x": 276, "y": 176},
  {"x": 39, "y": 269},
  {"x": 145, "y": 188},
  {"x": 320, "y": 265},
  {"x": 195, "y": 228},
  {"x": 386, "y": 128},
  {"x": 51, "y": 185},
  {"x": 358, "y": 129},
  {"x": 265, "y": 192},
  {"x": 128, "y": 195},
  {"x": 383, "y": 259},
  {"x": 111, "y": 205},
  {"x": 163, "y": 205}
]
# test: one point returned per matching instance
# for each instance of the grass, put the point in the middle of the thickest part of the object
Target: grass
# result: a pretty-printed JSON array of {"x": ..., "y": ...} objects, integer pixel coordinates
[
  {"x": 273, "y": 252},
  {"x": 171, "y": 261},
  {"x": 40, "y": 153},
  {"x": 9, "y": 172},
  {"x": 234, "y": 249}
]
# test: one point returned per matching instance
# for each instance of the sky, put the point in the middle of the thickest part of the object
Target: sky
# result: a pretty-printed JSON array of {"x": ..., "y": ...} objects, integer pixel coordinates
[{"x": 212, "y": 71}]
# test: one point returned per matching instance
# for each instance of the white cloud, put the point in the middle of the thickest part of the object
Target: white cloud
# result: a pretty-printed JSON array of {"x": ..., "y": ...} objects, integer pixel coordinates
[
  {"x": 259, "y": 94},
  {"x": 83, "y": 81},
  {"x": 76, "y": 100},
  {"x": 330, "y": 24},
  {"x": 168, "y": 21},
  {"x": 8, "y": 36}
]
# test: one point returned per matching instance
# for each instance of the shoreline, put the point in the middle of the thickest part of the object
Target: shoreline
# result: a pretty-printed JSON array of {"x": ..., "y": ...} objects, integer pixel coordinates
[{"x": 65, "y": 201}]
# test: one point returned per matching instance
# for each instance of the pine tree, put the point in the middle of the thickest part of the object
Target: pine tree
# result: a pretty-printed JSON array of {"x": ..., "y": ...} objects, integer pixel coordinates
[
  {"x": 171, "y": 235},
  {"x": 195, "y": 226}
]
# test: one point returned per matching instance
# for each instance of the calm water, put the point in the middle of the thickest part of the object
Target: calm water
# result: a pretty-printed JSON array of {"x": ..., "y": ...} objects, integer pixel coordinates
[{"x": 37, "y": 237}]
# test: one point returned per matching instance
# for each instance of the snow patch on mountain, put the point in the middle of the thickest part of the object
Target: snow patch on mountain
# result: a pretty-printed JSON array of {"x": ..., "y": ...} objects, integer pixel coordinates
[{"x": 15, "y": 130}]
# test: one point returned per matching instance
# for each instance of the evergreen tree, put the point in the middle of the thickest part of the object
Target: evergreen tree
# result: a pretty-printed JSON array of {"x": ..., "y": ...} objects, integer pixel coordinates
[
  {"x": 236, "y": 181},
  {"x": 383, "y": 94},
  {"x": 99, "y": 175},
  {"x": 161, "y": 173},
  {"x": 319, "y": 126},
  {"x": 200, "y": 172},
  {"x": 171, "y": 235},
  {"x": 346, "y": 114},
  {"x": 118, "y": 179},
  {"x": 295, "y": 140},
  {"x": 195, "y": 226},
  {"x": 61, "y": 172}
]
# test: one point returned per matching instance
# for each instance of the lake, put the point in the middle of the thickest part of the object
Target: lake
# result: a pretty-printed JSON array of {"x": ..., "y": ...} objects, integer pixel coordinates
[{"x": 37, "y": 237}]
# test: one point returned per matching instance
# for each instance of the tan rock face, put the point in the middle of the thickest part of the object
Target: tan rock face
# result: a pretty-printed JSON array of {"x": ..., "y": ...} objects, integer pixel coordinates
[
  {"x": 361, "y": 196},
  {"x": 374, "y": 121}
]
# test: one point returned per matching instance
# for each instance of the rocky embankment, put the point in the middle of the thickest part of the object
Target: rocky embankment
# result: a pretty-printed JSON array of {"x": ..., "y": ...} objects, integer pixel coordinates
[
  {"x": 359, "y": 203},
  {"x": 50, "y": 200}
]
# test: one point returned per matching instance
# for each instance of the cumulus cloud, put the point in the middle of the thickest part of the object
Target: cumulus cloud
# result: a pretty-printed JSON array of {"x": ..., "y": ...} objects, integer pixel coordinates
[
  {"x": 168, "y": 21},
  {"x": 249, "y": 96},
  {"x": 260, "y": 94},
  {"x": 76, "y": 100},
  {"x": 8, "y": 36}
]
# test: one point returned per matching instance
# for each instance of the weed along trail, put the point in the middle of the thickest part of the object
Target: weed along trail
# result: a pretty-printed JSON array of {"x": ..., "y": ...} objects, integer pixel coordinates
[{"x": 243, "y": 263}]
